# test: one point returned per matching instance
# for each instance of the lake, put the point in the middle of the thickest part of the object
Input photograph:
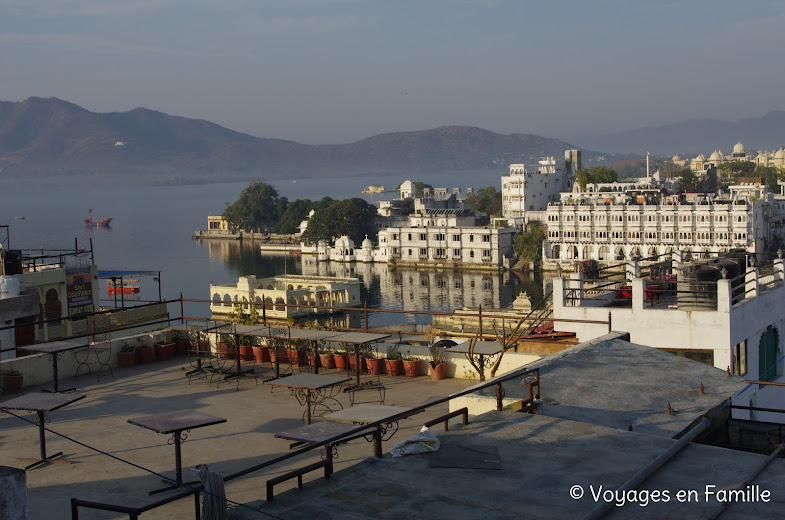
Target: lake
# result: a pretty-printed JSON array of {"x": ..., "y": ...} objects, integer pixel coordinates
[{"x": 152, "y": 227}]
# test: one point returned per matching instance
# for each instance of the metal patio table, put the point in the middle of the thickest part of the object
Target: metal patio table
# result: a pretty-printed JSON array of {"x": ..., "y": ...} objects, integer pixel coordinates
[
  {"x": 483, "y": 353},
  {"x": 175, "y": 423},
  {"x": 54, "y": 349},
  {"x": 311, "y": 390},
  {"x": 369, "y": 413},
  {"x": 41, "y": 403}
]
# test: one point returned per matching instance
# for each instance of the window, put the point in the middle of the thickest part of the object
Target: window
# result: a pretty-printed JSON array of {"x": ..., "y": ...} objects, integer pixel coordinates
[
  {"x": 471, "y": 238},
  {"x": 486, "y": 253},
  {"x": 423, "y": 252},
  {"x": 410, "y": 236},
  {"x": 456, "y": 253},
  {"x": 471, "y": 254},
  {"x": 456, "y": 238},
  {"x": 422, "y": 236},
  {"x": 486, "y": 238},
  {"x": 740, "y": 358}
]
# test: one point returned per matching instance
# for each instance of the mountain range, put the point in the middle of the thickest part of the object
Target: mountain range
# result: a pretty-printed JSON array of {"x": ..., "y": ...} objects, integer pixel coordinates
[
  {"x": 694, "y": 136},
  {"x": 52, "y": 137},
  {"x": 49, "y": 136}
]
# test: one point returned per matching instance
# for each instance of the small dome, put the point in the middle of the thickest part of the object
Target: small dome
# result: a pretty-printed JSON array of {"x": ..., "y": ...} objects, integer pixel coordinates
[
  {"x": 367, "y": 244},
  {"x": 700, "y": 158},
  {"x": 738, "y": 148},
  {"x": 344, "y": 241},
  {"x": 780, "y": 154},
  {"x": 716, "y": 156},
  {"x": 676, "y": 158}
]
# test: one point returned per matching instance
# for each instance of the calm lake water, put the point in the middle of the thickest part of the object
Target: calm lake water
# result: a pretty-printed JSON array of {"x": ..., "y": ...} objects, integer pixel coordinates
[{"x": 152, "y": 228}]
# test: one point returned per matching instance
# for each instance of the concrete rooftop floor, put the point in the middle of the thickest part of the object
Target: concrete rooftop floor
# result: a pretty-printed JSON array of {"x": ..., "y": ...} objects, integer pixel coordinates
[
  {"x": 542, "y": 458},
  {"x": 254, "y": 414}
]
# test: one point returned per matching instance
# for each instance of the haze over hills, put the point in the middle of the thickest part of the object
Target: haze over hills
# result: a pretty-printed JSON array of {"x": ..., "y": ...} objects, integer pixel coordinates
[
  {"x": 694, "y": 136},
  {"x": 48, "y": 136}
]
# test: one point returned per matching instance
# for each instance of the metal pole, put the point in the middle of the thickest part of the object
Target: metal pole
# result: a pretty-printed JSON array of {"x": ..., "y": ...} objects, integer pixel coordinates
[
  {"x": 182, "y": 313},
  {"x": 159, "y": 287},
  {"x": 41, "y": 432},
  {"x": 479, "y": 319},
  {"x": 366, "y": 315}
]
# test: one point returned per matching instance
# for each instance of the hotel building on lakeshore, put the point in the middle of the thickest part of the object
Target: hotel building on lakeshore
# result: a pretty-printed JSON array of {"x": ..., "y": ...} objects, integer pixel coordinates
[{"x": 277, "y": 294}]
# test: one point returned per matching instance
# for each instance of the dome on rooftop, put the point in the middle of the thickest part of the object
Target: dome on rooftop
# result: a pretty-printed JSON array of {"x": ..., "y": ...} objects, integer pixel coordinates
[
  {"x": 738, "y": 148},
  {"x": 780, "y": 154},
  {"x": 344, "y": 241},
  {"x": 716, "y": 156}
]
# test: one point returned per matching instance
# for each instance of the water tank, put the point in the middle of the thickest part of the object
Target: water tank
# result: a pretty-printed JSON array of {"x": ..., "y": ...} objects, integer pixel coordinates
[
  {"x": 696, "y": 288},
  {"x": 9, "y": 287},
  {"x": 13, "y": 262}
]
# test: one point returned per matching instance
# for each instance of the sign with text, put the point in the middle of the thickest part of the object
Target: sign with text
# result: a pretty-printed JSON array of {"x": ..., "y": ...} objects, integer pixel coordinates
[{"x": 79, "y": 285}]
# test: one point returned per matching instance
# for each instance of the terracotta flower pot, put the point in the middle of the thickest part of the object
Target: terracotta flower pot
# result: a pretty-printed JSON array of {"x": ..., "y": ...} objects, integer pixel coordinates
[
  {"x": 262, "y": 354},
  {"x": 164, "y": 351},
  {"x": 246, "y": 353},
  {"x": 225, "y": 350},
  {"x": 144, "y": 355},
  {"x": 126, "y": 359},
  {"x": 340, "y": 361},
  {"x": 374, "y": 366},
  {"x": 437, "y": 372},
  {"x": 363, "y": 366},
  {"x": 182, "y": 346},
  {"x": 394, "y": 366},
  {"x": 412, "y": 368},
  {"x": 327, "y": 360},
  {"x": 12, "y": 383}
]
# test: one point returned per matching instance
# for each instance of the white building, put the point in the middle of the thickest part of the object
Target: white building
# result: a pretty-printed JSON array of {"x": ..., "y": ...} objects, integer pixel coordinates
[
  {"x": 587, "y": 229},
  {"x": 524, "y": 191},
  {"x": 739, "y": 327},
  {"x": 273, "y": 294}
]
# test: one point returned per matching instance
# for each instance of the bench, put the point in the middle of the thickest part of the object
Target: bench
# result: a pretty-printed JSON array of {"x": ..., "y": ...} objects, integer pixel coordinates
[{"x": 327, "y": 464}]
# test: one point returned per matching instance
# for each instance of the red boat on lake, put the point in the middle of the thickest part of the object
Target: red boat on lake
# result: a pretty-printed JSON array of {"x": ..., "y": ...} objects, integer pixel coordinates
[{"x": 104, "y": 222}]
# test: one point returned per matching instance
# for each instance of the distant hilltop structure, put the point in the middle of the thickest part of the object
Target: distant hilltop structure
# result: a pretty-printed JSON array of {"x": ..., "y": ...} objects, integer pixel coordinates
[
  {"x": 765, "y": 158},
  {"x": 374, "y": 188}
]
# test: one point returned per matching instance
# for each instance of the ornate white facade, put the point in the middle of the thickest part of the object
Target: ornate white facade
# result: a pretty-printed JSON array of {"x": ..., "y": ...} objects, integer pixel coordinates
[
  {"x": 524, "y": 191},
  {"x": 609, "y": 232}
]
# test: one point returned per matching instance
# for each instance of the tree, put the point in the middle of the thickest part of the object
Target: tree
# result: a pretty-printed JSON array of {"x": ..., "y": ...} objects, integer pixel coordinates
[
  {"x": 485, "y": 200},
  {"x": 770, "y": 176},
  {"x": 258, "y": 208},
  {"x": 295, "y": 213},
  {"x": 528, "y": 244},
  {"x": 688, "y": 181},
  {"x": 352, "y": 217},
  {"x": 407, "y": 206},
  {"x": 595, "y": 175},
  {"x": 732, "y": 171}
]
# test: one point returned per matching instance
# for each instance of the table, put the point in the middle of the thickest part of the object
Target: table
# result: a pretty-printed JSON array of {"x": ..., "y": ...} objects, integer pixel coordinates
[
  {"x": 175, "y": 423},
  {"x": 357, "y": 339},
  {"x": 481, "y": 355},
  {"x": 371, "y": 413},
  {"x": 311, "y": 390},
  {"x": 55, "y": 349},
  {"x": 41, "y": 403},
  {"x": 102, "y": 355}
]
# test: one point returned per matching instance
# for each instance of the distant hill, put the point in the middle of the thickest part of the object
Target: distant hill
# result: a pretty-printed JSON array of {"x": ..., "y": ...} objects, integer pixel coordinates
[
  {"x": 694, "y": 136},
  {"x": 49, "y": 136}
]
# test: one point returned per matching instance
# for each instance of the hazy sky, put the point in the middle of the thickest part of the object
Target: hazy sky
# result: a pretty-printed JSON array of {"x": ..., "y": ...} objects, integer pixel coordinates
[{"x": 334, "y": 71}]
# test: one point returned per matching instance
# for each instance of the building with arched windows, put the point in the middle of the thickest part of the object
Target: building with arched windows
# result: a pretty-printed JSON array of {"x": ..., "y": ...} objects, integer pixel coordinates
[{"x": 284, "y": 296}]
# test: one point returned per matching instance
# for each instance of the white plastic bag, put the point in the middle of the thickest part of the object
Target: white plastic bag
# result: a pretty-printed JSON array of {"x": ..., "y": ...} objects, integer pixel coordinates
[{"x": 423, "y": 442}]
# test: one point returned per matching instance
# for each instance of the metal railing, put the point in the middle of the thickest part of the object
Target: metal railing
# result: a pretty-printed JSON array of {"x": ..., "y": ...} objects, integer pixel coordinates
[{"x": 135, "y": 512}]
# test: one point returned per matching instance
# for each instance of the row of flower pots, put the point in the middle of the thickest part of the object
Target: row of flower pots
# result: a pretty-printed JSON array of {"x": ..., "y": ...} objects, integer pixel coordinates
[{"x": 141, "y": 353}]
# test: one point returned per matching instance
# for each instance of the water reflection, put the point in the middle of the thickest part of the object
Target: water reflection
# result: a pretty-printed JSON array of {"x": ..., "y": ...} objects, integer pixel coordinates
[{"x": 386, "y": 286}]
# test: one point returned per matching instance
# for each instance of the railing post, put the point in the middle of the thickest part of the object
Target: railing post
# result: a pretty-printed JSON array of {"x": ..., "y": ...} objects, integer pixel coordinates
[
  {"x": 498, "y": 396},
  {"x": 609, "y": 325},
  {"x": 751, "y": 281},
  {"x": 74, "y": 510},
  {"x": 197, "y": 507}
]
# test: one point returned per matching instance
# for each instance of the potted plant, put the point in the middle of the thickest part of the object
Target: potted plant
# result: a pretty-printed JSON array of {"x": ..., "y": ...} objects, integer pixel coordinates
[
  {"x": 394, "y": 361},
  {"x": 144, "y": 352},
  {"x": 11, "y": 380},
  {"x": 127, "y": 356},
  {"x": 437, "y": 365},
  {"x": 246, "y": 348},
  {"x": 225, "y": 346},
  {"x": 374, "y": 365},
  {"x": 180, "y": 340},
  {"x": 164, "y": 351},
  {"x": 411, "y": 365},
  {"x": 340, "y": 360},
  {"x": 261, "y": 353},
  {"x": 327, "y": 359}
]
